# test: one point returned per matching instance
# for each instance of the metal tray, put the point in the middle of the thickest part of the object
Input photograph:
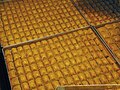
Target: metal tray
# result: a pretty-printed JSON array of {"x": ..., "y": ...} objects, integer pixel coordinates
[
  {"x": 81, "y": 57},
  {"x": 97, "y": 57},
  {"x": 27, "y": 20}
]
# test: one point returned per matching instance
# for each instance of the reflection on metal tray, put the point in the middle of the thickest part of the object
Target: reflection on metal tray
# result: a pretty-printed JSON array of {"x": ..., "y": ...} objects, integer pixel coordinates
[{"x": 90, "y": 87}]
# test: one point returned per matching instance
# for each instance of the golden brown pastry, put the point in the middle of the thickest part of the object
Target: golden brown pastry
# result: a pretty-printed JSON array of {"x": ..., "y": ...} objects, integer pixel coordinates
[
  {"x": 38, "y": 81},
  {"x": 17, "y": 87},
  {"x": 20, "y": 70},
  {"x": 105, "y": 61},
  {"x": 9, "y": 58},
  {"x": 92, "y": 72},
  {"x": 91, "y": 81},
  {"x": 87, "y": 65},
  {"x": 32, "y": 46},
  {"x": 31, "y": 60},
  {"x": 10, "y": 66},
  {"x": 98, "y": 71},
  {"x": 25, "y": 62},
  {"x": 49, "y": 86},
  {"x": 64, "y": 56},
  {"x": 76, "y": 78},
  {"x": 115, "y": 75},
  {"x": 67, "y": 62},
  {"x": 14, "y": 81},
  {"x": 12, "y": 73},
  {"x": 93, "y": 63},
  {"x": 74, "y": 53},
  {"x": 115, "y": 67},
  {"x": 69, "y": 80},
  {"x": 100, "y": 54},
  {"x": 43, "y": 71},
  {"x": 49, "y": 69},
  {"x": 45, "y": 78},
  {"x": 55, "y": 83},
  {"x": 104, "y": 69},
  {"x": 22, "y": 78},
  {"x": 85, "y": 82},
  {"x": 87, "y": 74},
  {"x": 10, "y": 38},
  {"x": 76, "y": 68},
  {"x": 59, "y": 74},
  {"x": 109, "y": 76},
  {"x": 43, "y": 56},
  {"x": 34, "y": 67},
  {"x": 117, "y": 53},
  {"x": 37, "y": 57},
  {"x": 32, "y": 84},
  {"x": 71, "y": 70},
  {"x": 55, "y": 67},
  {"x": 29, "y": 76},
  {"x": 82, "y": 67},
  {"x": 14, "y": 50},
  {"x": 29, "y": 53},
  {"x": 41, "y": 88},
  {"x": 103, "y": 79},
  {"x": 97, "y": 80},
  {"x": 62, "y": 81},
  {"x": 36, "y": 74},
  {"x": 77, "y": 60},
  {"x": 27, "y": 69},
  {"x": 25, "y": 86},
  {"x": 61, "y": 65},
  {"x": 40, "y": 64},
  {"x": 18, "y": 63},
  {"x": 46, "y": 62},
  {"x": 94, "y": 54},
  {"x": 52, "y": 76}
]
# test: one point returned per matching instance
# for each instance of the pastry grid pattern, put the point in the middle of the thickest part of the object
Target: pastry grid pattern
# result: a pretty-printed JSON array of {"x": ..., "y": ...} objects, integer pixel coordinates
[
  {"x": 81, "y": 58},
  {"x": 99, "y": 11},
  {"x": 98, "y": 7},
  {"x": 31, "y": 19},
  {"x": 77, "y": 58}
]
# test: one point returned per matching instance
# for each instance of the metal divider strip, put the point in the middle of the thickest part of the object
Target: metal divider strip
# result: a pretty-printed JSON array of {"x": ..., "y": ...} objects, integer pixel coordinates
[
  {"x": 98, "y": 26},
  {"x": 90, "y": 87},
  {"x": 105, "y": 44},
  {"x": 44, "y": 38}
]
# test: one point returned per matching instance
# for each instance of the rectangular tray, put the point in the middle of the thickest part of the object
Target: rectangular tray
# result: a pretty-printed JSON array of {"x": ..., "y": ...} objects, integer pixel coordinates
[
  {"x": 28, "y": 20},
  {"x": 76, "y": 58}
]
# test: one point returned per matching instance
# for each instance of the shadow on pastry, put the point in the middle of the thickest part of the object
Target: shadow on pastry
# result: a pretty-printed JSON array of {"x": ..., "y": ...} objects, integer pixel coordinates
[{"x": 99, "y": 10}]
